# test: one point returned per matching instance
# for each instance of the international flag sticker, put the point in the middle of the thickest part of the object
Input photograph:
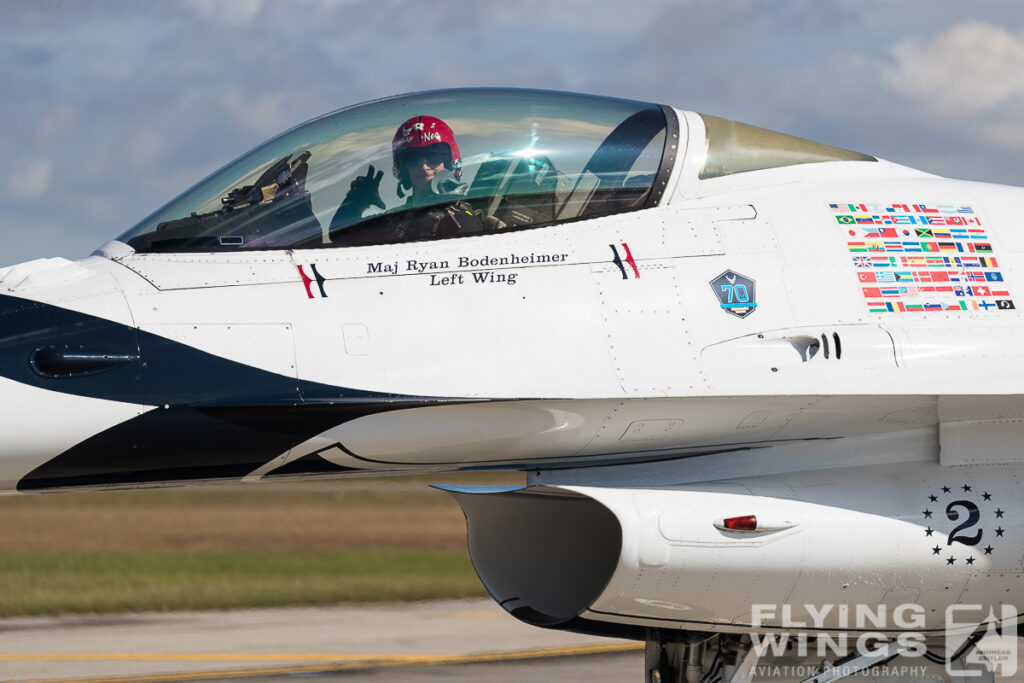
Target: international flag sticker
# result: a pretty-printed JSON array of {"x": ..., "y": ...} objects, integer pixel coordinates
[{"x": 920, "y": 257}]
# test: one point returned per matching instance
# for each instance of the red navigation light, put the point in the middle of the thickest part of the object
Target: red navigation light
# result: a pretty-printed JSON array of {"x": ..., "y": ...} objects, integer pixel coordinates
[{"x": 744, "y": 523}]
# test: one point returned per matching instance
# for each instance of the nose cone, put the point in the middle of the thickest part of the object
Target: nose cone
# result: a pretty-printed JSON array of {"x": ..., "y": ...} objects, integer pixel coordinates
[
  {"x": 39, "y": 424},
  {"x": 64, "y": 376}
]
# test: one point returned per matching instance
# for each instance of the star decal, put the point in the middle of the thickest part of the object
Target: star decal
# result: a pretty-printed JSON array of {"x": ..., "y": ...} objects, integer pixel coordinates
[{"x": 951, "y": 503}]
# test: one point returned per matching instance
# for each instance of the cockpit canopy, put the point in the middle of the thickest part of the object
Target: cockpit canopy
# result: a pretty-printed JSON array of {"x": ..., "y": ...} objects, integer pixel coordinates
[{"x": 528, "y": 158}]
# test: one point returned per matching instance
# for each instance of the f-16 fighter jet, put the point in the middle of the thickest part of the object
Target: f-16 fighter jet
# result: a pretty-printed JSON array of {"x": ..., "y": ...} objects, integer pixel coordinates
[{"x": 762, "y": 387}]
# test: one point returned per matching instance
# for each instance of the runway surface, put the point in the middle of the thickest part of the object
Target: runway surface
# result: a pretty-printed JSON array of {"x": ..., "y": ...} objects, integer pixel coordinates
[
  {"x": 419, "y": 642},
  {"x": 411, "y": 643},
  {"x": 607, "y": 668}
]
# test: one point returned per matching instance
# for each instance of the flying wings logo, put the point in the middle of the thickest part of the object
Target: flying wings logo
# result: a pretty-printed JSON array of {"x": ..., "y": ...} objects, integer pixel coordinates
[
  {"x": 736, "y": 293},
  {"x": 993, "y": 637},
  {"x": 618, "y": 261},
  {"x": 308, "y": 281}
]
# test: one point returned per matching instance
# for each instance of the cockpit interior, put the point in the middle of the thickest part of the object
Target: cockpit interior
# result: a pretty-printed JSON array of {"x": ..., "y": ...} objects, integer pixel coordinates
[{"x": 528, "y": 159}]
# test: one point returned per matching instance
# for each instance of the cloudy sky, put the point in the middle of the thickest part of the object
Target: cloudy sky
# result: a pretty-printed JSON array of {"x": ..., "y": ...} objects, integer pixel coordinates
[{"x": 111, "y": 108}]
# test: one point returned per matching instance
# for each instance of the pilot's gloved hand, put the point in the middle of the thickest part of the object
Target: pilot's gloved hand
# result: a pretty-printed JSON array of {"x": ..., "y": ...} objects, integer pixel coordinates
[{"x": 365, "y": 192}]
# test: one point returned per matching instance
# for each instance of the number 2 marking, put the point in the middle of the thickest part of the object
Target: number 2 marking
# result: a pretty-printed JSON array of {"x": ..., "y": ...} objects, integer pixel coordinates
[{"x": 973, "y": 517}]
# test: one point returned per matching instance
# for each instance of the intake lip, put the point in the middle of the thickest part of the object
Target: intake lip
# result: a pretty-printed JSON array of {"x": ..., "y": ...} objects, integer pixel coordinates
[{"x": 544, "y": 554}]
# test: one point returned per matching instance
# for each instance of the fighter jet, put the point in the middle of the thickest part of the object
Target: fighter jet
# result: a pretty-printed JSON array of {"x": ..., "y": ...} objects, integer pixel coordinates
[{"x": 761, "y": 387}]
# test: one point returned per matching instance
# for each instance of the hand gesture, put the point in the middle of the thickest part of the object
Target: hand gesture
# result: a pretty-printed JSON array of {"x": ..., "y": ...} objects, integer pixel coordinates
[{"x": 365, "y": 191}]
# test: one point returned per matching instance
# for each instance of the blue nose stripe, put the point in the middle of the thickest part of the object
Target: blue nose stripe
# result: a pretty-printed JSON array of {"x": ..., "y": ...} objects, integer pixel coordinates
[{"x": 214, "y": 418}]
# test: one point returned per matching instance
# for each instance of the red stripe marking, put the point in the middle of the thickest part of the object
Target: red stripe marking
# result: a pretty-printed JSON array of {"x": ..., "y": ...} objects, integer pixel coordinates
[
  {"x": 629, "y": 259},
  {"x": 306, "y": 281}
]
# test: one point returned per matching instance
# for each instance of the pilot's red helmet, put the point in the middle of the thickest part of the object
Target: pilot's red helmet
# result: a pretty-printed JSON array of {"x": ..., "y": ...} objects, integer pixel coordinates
[{"x": 419, "y": 133}]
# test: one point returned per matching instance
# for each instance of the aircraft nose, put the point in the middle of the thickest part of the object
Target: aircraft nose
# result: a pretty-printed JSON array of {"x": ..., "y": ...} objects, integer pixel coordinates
[
  {"x": 64, "y": 376},
  {"x": 39, "y": 424}
]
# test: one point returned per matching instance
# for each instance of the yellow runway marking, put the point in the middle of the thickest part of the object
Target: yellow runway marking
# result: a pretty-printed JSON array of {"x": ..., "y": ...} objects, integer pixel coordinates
[
  {"x": 181, "y": 657},
  {"x": 342, "y": 662}
]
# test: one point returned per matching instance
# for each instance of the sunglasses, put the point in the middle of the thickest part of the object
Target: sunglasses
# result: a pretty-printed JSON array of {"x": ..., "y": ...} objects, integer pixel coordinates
[{"x": 419, "y": 158}]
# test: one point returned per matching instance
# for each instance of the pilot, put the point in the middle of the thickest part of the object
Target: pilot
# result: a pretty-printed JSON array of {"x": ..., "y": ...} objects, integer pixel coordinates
[{"x": 428, "y": 166}]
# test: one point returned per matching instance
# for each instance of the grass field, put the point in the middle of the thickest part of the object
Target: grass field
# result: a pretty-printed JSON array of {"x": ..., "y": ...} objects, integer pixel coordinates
[{"x": 231, "y": 547}]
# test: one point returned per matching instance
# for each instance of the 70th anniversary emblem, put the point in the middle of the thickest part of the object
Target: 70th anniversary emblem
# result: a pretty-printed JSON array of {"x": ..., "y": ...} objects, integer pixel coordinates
[{"x": 736, "y": 293}]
